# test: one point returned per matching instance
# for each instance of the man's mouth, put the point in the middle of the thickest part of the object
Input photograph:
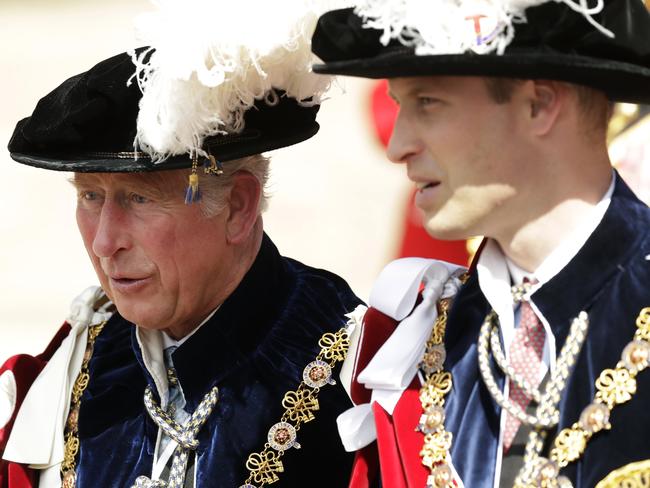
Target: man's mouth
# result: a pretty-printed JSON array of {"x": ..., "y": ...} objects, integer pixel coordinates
[
  {"x": 423, "y": 185},
  {"x": 125, "y": 281},
  {"x": 124, "y": 278},
  {"x": 128, "y": 283}
]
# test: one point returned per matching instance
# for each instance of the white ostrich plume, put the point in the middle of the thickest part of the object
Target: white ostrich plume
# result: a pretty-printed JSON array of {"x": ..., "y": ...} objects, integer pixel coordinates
[
  {"x": 210, "y": 60},
  {"x": 457, "y": 26}
]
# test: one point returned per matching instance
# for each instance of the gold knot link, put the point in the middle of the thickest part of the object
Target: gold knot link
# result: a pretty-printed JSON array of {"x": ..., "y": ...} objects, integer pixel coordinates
[
  {"x": 334, "y": 346},
  {"x": 300, "y": 404},
  {"x": 434, "y": 390},
  {"x": 569, "y": 445},
  {"x": 643, "y": 324},
  {"x": 438, "y": 333},
  {"x": 94, "y": 331},
  {"x": 436, "y": 448},
  {"x": 71, "y": 450},
  {"x": 80, "y": 385},
  {"x": 264, "y": 467},
  {"x": 643, "y": 320},
  {"x": 615, "y": 386}
]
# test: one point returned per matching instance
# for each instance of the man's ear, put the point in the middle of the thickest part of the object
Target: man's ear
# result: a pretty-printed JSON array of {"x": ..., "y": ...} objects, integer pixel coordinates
[
  {"x": 243, "y": 203},
  {"x": 545, "y": 100}
]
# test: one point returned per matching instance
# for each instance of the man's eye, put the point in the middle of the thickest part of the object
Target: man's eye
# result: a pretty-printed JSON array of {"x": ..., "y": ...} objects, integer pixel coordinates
[
  {"x": 135, "y": 198},
  {"x": 425, "y": 101},
  {"x": 89, "y": 196}
]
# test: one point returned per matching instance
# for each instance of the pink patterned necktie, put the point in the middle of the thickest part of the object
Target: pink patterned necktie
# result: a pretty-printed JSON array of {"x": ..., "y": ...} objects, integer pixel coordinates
[{"x": 526, "y": 352}]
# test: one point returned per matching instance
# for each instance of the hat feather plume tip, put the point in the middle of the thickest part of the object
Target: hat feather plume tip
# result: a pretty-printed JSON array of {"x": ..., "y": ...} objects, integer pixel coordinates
[
  {"x": 458, "y": 26},
  {"x": 209, "y": 61}
]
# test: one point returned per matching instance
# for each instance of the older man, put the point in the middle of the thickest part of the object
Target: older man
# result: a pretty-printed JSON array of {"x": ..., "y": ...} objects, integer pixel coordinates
[
  {"x": 205, "y": 358},
  {"x": 502, "y": 124}
]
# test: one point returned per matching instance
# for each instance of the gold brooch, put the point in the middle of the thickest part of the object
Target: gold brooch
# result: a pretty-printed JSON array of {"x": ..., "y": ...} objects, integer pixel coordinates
[{"x": 282, "y": 436}]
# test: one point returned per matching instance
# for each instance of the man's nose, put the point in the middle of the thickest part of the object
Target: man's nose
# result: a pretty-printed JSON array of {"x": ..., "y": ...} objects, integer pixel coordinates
[
  {"x": 112, "y": 232},
  {"x": 403, "y": 144}
]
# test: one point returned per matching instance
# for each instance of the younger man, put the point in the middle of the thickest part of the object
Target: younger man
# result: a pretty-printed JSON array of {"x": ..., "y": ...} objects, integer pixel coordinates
[{"x": 502, "y": 122}]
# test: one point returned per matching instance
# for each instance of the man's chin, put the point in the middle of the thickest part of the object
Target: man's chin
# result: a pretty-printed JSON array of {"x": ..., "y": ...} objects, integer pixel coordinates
[
  {"x": 143, "y": 322},
  {"x": 136, "y": 314},
  {"x": 446, "y": 229}
]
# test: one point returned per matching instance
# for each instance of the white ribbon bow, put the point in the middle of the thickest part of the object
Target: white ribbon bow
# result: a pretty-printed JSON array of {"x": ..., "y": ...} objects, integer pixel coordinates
[
  {"x": 395, "y": 364},
  {"x": 37, "y": 435}
]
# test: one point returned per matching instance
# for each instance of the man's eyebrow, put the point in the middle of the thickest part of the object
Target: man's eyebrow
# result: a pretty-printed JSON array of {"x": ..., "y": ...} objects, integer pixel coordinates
[
  {"x": 79, "y": 182},
  {"x": 393, "y": 96}
]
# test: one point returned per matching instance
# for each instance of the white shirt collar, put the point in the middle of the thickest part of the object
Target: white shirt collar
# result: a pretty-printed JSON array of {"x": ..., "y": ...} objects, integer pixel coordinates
[
  {"x": 152, "y": 343},
  {"x": 169, "y": 341}
]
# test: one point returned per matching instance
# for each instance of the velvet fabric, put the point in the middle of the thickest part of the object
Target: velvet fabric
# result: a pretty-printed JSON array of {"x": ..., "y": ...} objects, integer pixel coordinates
[
  {"x": 608, "y": 279},
  {"x": 254, "y": 349},
  {"x": 555, "y": 43},
  {"x": 88, "y": 124}
]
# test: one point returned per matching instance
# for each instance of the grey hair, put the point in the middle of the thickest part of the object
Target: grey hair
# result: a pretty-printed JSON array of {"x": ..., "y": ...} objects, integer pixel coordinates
[{"x": 214, "y": 187}]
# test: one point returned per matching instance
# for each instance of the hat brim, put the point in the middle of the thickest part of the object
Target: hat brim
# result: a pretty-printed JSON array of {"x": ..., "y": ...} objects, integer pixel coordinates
[
  {"x": 223, "y": 148},
  {"x": 622, "y": 82}
]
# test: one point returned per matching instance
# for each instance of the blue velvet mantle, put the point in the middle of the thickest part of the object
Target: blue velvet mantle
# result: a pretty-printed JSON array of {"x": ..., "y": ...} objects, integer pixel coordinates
[
  {"x": 609, "y": 279},
  {"x": 254, "y": 349}
]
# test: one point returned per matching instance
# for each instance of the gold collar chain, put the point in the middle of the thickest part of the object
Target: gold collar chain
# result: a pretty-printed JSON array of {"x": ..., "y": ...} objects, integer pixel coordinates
[
  {"x": 613, "y": 387},
  {"x": 437, "y": 383},
  {"x": 300, "y": 406},
  {"x": 71, "y": 433},
  {"x": 264, "y": 467}
]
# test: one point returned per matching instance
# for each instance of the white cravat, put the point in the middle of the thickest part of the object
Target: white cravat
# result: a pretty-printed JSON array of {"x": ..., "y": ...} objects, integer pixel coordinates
[{"x": 37, "y": 435}]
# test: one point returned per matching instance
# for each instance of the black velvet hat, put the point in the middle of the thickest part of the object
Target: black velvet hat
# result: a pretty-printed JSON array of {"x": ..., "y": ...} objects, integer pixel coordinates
[
  {"x": 554, "y": 42},
  {"x": 88, "y": 124}
]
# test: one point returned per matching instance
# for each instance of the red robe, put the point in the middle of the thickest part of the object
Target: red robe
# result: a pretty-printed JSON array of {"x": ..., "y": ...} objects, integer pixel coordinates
[
  {"x": 25, "y": 369},
  {"x": 398, "y": 443}
]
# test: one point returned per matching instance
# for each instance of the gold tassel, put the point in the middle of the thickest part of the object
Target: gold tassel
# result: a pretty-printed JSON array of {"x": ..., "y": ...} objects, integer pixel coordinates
[{"x": 193, "y": 193}]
